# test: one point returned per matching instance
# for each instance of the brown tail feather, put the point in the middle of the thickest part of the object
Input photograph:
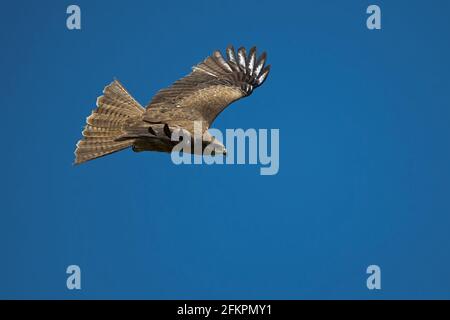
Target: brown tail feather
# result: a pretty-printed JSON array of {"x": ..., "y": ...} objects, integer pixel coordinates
[{"x": 104, "y": 125}]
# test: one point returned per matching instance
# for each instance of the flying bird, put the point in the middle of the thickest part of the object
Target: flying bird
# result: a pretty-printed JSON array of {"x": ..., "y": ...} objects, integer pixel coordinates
[{"x": 120, "y": 122}]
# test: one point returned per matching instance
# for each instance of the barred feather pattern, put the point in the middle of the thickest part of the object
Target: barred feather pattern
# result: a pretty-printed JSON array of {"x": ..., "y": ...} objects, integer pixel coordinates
[
  {"x": 214, "y": 84},
  {"x": 104, "y": 126},
  {"x": 238, "y": 69}
]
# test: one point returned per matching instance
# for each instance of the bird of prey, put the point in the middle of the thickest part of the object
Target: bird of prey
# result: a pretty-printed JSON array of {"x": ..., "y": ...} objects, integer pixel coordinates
[{"x": 120, "y": 122}]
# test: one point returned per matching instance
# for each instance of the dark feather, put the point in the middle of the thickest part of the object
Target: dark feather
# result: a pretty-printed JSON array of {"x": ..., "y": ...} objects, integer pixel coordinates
[
  {"x": 167, "y": 131},
  {"x": 251, "y": 61},
  {"x": 242, "y": 59}
]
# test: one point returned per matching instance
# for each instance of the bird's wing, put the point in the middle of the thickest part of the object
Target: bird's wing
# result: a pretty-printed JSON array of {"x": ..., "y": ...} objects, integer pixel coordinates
[{"x": 209, "y": 88}]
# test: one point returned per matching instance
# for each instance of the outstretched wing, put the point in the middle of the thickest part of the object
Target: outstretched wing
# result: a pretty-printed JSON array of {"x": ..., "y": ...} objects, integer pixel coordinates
[{"x": 209, "y": 88}]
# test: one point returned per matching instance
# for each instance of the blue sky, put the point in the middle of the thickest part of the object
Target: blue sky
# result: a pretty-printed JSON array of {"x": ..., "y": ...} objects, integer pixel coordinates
[{"x": 364, "y": 154}]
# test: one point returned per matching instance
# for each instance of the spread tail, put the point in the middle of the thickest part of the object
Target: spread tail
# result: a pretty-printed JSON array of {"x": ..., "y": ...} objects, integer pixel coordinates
[{"x": 104, "y": 125}]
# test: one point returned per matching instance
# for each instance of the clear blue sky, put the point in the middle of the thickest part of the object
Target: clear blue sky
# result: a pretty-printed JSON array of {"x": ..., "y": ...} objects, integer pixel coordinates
[{"x": 364, "y": 154}]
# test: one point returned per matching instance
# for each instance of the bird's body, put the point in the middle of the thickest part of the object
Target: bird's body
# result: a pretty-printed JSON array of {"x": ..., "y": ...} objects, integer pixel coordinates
[{"x": 120, "y": 122}]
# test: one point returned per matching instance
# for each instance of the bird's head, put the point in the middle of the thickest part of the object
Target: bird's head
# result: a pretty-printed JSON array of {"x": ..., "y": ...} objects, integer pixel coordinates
[
  {"x": 218, "y": 148},
  {"x": 213, "y": 146}
]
